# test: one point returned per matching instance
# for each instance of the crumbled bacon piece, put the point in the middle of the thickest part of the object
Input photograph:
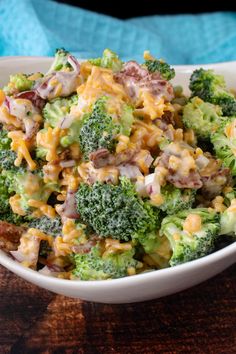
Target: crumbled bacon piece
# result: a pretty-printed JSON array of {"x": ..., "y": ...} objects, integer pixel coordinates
[{"x": 10, "y": 236}]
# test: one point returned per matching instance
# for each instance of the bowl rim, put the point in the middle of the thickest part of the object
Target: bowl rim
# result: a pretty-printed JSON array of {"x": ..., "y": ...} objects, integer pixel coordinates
[
  {"x": 11, "y": 264},
  {"x": 14, "y": 266}
]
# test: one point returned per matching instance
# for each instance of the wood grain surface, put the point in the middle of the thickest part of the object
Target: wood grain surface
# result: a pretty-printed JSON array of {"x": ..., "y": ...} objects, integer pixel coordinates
[{"x": 199, "y": 320}]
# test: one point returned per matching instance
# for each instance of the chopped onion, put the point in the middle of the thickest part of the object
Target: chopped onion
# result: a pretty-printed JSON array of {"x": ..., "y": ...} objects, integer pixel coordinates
[
  {"x": 129, "y": 171},
  {"x": 68, "y": 163},
  {"x": 66, "y": 121},
  {"x": 202, "y": 161},
  {"x": 151, "y": 183}
]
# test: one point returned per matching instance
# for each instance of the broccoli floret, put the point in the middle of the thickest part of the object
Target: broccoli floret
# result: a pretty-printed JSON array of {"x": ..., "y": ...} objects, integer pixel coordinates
[
  {"x": 4, "y": 195},
  {"x": 45, "y": 249},
  {"x": 98, "y": 129},
  {"x": 229, "y": 196},
  {"x": 148, "y": 240},
  {"x": 12, "y": 218},
  {"x": 41, "y": 153},
  {"x": 49, "y": 226},
  {"x": 72, "y": 135},
  {"x": 60, "y": 62},
  {"x": 7, "y": 159},
  {"x": 5, "y": 142},
  {"x": 18, "y": 83},
  {"x": 95, "y": 266},
  {"x": 126, "y": 120},
  {"x": 203, "y": 117},
  {"x": 108, "y": 60},
  {"x": 160, "y": 66},
  {"x": 186, "y": 245},
  {"x": 29, "y": 186},
  {"x": 211, "y": 87},
  {"x": 57, "y": 109},
  {"x": 157, "y": 251},
  {"x": 176, "y": 199},
  {"x": 228, "y": 217},
  {"x": 224, "y": 143},
  {"x": 115, "y": 211},
  {"x": 6, "y": 214}
]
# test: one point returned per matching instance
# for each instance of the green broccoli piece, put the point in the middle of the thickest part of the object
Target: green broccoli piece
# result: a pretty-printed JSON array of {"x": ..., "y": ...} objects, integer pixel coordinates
[
  {"x": 19, "y": 183},
  {"x": 158, "y": 250},
  {"x": 228, "y": 219},
  {"x": 7, "y": 159},
  {"x": 12, "y": 218},
  {"x": 98, "y": 129},
  {"x": 18, "y": 83},
  {"x": 4, "y": 196},
  {"x": 60, "y": 62},
  {"x": 73, "y": 134},
  {"x": 160, "y": 66},
  {"x": 41, "y": 153},
  {"x": 126, "y": 120},
  {"x": 109, "y": 60},
  {"x": 5, "y": 142},
  {"x": 6, "y": 214},
  {"x": 45, "y": 249},
  {"x": 115, "y": 211},
  {"x": 211, "y": 87},
  {"x": 224, "y": 143},
  {"x": 95, "y": 266},
  {"x": 229, "y": 196},
  {"x": 57, "y": 109},
  {"x": 203, "y": 117},
  {"x": 49, "y": 226},
  {"x": 189, "y": 246},
  {"x": 122, "y": 124},
  {"x": 176, "y": 199}
]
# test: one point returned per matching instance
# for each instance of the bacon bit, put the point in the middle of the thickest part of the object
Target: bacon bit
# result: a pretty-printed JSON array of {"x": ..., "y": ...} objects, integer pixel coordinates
[
  {"x": 192, "y": 179},
  {"x": 10, "y": 236},
  {"x": 100, "y": 158},
  {"x": 214, "y": 184},
  {"x": 68, "y": 208},
  {"x": 86, "y": 247},
  {"x": 134, "y": 78}
]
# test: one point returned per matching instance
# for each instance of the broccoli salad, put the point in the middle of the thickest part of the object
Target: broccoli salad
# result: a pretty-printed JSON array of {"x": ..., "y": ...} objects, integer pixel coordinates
[{"x": 108, "y": 170}]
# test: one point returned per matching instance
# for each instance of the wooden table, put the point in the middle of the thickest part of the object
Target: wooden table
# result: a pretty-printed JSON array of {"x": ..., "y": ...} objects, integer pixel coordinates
[{"x": 199, "y": 320}]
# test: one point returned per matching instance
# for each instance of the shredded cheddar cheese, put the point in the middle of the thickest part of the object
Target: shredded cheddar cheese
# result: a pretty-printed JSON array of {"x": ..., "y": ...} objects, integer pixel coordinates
[
  {"x": 51, "y": 171},
  {"x": 44, "y": 208},
  {"x": 101, "y": 82},
  {"x": 8, "y": 119},
  {"x": 70, "y": 236},
  {"x": 192, "y": 223},
  {"x": 21, "y": 147},
  {"x": 218, "y": 204},
  {"x": 50, "y": 140},
  {"x": 152, "y": 107},
  {"x": 15, "y": 203}
]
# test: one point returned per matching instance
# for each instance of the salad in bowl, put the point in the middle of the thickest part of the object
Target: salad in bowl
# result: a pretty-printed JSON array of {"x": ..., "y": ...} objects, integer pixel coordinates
[{"x": 107, "y": 170}]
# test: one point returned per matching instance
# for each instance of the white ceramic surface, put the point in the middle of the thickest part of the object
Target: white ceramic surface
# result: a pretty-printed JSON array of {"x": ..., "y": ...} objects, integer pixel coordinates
[{"x": 135, "y": 288}]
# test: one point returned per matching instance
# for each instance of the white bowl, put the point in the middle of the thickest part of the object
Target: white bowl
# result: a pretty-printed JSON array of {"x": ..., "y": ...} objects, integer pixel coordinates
[{"x": 134, "y": 288}]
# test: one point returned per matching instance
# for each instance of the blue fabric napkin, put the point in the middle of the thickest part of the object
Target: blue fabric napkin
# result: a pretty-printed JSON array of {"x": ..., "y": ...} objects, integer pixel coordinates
[{"x": 37, "y": 27}]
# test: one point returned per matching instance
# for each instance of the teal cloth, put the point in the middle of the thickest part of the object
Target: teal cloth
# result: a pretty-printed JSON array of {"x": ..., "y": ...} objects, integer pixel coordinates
[{"x": 37, "y": 27}]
